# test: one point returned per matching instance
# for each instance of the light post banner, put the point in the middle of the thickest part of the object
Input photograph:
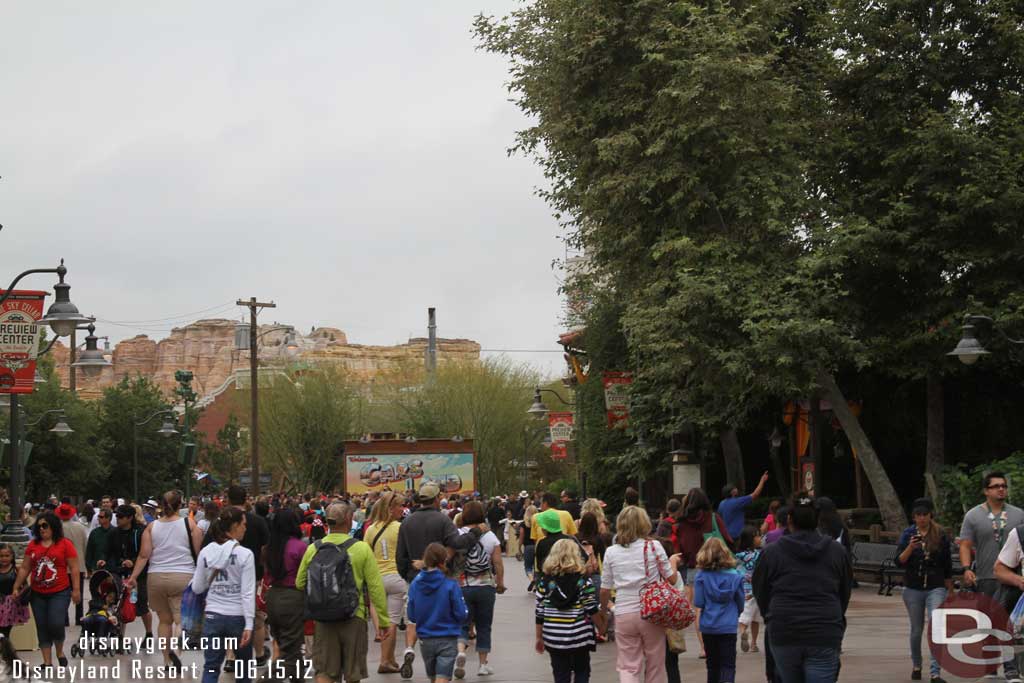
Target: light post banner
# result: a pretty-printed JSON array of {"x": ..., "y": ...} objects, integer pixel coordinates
[
  {"x": 20, "y": 336},
  {"x": 560, "y": 450},
  {"x": 616, "y": 397},
  {"x": 561, "y": 425}
]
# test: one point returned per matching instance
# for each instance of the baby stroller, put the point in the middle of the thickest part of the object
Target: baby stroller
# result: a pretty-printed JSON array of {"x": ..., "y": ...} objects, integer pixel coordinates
[{"x": 109, "y": 612}]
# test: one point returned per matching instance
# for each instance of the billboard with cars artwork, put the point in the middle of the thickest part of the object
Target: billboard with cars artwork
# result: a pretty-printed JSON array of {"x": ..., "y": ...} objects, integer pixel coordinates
[{"x": 453, "y": 472}]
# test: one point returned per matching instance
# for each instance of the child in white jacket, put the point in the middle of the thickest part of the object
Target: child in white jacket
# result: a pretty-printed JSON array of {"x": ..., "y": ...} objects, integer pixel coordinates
[{"x": 226, "y": 571}]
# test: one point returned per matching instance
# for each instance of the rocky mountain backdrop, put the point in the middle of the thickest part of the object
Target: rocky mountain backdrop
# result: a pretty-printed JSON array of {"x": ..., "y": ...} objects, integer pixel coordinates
[{"x": 207, "y": 348}]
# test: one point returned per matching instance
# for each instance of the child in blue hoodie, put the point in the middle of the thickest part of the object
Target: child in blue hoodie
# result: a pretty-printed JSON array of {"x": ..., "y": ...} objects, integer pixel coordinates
[
  {"x": 438, "y": 610},
  {"x": 718, "y": 593}
]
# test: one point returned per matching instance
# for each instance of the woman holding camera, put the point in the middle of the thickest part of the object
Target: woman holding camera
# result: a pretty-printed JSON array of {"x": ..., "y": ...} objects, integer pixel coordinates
[{"x": 924, "y": 551}]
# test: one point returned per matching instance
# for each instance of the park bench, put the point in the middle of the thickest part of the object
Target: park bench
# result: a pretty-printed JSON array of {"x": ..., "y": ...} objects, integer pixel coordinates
[{"x": 880, "y": 559}]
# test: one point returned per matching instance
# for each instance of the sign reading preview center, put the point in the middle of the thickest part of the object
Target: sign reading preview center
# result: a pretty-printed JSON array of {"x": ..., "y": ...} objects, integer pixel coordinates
[{"x": 20, "y": 336}]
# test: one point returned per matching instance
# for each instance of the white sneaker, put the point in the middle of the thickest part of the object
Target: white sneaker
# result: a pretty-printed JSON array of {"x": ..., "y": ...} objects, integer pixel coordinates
[
  {"x": 460, "y": 665},
  {"x": 1015, "y": 679},
  {"x": 485, "y": 670}
]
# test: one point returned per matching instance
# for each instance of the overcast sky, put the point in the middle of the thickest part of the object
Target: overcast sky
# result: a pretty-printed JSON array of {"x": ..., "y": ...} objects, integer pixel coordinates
[{"x": 346, "y": 160}]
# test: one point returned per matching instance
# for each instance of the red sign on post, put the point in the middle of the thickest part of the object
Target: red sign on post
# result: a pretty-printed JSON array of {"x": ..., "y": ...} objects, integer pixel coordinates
[
  {"x": 616, "y": 397},
  {"x": 20, "y": 335},
  {"x": 561, "y": 426}
]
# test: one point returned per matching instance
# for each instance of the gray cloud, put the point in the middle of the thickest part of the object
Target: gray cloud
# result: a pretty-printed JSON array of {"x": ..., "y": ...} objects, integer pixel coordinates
[{"x": 347, "y": 160}]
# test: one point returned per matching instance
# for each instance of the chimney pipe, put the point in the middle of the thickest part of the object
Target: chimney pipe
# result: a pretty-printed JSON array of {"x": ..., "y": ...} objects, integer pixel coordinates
[{"x": 431, "y": 341}]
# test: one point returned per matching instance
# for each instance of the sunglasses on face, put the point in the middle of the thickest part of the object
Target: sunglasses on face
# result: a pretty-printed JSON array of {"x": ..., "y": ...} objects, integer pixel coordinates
[
  {"x": 998, "y": 486},
  {"x": 44, "y": 525}
]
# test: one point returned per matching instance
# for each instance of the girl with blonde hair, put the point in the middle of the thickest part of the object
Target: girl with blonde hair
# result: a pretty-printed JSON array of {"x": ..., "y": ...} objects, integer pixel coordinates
[
  {"x": 566, "y": 611},
  {"x": 382, "y": 537},
  {"x": 593, "y": 506},
  {"x": 718, "y": 593}
]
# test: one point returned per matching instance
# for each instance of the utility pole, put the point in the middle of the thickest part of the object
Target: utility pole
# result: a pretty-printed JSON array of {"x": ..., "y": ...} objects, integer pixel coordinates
[
  {"x": 431, "y": 342},
  {"x": 254, "y": 307}
]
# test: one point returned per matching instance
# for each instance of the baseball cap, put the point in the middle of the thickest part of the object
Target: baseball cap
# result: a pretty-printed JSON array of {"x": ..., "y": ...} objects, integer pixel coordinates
[
  {"x": 428, "y": 492},
  {"x": 549, "y": 521},
  {"x": 923, "y": 506},
  {"x": 124, "y": 511}
]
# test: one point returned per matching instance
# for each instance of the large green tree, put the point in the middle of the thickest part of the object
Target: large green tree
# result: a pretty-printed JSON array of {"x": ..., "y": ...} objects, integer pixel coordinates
[
  {"x": 122, "y": 406},
  {"x": 70, "y": 465},
  {"x": 679, "y": 139},
  {"x": 304, "y": 421}
]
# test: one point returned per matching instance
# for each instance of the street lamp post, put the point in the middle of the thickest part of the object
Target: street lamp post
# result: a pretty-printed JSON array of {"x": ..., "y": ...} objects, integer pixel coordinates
[
  {"x": 969, "y": 349},
  {"x": 62, "y": 316},
  {"x": 187, "y": 395},
  {"x": 92, "y": 361},
  {"x": 167, "y": 430}
]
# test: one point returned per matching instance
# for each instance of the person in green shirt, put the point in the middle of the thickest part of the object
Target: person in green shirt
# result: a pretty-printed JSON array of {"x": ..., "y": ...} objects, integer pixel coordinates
[
  {"x": 340, "y": 647},
  {"x": 96, "y": 547}
]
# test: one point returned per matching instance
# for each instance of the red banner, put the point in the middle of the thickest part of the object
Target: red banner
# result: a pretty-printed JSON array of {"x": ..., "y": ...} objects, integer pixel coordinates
[
  {"x": 561, "y": 425},
  {"x": 20, "y": 335},
  {"x": 616, "y": 397},
  {"x": 560, "y": 450}
]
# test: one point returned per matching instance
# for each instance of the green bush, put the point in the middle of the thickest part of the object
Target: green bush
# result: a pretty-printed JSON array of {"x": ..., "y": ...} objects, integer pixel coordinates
[{"x": 960, "y": 487}]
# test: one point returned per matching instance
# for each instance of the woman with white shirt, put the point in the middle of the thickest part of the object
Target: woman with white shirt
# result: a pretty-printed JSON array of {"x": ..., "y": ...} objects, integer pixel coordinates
[
  {"x": 169, "y": 547},
  {"x": 226, "y": 571},
  {"x": 640, "y": 645}
]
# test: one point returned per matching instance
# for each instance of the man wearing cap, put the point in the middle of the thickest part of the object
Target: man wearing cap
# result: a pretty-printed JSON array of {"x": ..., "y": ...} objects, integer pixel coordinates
[
  {"x": 123, "y": 545},
  {"x": 425, "y": 525},
  {"x": 149, "y": 510},
  {"x": 549, "y": 501},
  {"x": 340, "y": 648},
  {"x": 96, "y": 548},
  {"x": 550, "y": 524},
  {"x": 75, "y": 532}
]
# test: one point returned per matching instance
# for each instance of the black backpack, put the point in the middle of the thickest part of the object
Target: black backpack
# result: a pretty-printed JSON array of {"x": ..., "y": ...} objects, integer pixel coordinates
[{"x": 331, "y": 593}]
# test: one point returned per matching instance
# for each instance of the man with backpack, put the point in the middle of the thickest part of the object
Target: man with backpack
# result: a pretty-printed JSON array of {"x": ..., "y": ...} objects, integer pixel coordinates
[
  {"x": 339, "y": 575},
  {"x": 425, "y": 525}
]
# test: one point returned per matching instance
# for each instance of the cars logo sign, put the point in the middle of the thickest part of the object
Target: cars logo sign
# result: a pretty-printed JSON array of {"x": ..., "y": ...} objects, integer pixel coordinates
[{"x": 20, "y": 336}]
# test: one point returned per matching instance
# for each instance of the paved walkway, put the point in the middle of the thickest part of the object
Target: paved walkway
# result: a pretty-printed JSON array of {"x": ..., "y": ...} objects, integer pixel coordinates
[{"x": 875, "y": 648}]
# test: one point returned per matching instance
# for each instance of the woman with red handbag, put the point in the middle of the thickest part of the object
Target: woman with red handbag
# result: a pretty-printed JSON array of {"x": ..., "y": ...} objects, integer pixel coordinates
[{"x": 631, "y": 565}]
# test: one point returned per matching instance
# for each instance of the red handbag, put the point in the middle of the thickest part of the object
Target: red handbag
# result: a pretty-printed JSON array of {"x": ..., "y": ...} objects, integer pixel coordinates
[
  {"x": 261, "y": 593},
  {"x": 661, "y": 603},
  {"x": 128, "y": 610}
]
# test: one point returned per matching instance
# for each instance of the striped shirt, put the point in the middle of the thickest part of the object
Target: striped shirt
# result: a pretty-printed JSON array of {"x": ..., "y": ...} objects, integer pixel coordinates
[{"x": 568, "y": 627}]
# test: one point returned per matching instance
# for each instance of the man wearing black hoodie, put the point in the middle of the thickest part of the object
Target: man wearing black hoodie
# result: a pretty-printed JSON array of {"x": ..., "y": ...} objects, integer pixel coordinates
[
  {"x": 425, "y": 525},
  {"x": 802, "y": 586}
]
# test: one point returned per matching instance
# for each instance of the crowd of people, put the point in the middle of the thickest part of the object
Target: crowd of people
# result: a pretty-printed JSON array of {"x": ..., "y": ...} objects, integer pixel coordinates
[{"x": 305, "y": 581}]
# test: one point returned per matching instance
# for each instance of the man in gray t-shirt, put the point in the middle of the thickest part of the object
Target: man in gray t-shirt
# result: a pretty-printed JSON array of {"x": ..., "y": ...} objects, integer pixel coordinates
[{"x": 984, "y": 532}]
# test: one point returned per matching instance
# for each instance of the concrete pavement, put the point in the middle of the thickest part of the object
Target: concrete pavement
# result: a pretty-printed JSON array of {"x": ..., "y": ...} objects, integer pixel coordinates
[{"x": 876, "y": 647}]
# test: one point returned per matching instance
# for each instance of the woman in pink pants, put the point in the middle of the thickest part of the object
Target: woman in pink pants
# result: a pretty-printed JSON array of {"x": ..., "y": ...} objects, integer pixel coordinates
[{"x": 640, "y": 645}]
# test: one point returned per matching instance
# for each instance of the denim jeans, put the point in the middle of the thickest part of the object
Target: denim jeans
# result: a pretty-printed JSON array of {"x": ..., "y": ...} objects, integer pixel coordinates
[
  {"x": 528, "y": 558},
  {"x": 480, "y": 601},
  {"x": 439, "y": 656},
  {"x": 806, "y": 664},
  {"x": 219, "y": 626},
  {"x": 918, "y": 602},
  {"x": 565, "y": 663},
  {"x": 50, "y": 610},
  {"x": 721, "y": 661}
]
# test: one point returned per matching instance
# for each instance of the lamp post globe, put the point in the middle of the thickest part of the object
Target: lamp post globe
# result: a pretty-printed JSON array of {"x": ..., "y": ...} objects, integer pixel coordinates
[
  {"x": 167, "y": 430},
  {"x": 92, "y": 360},
  {"x": 63, "y": 316},
  {"x": 969, "y": 349},
  {"x": 62, "y": 429},
  {"x": 538, "y": 409}
]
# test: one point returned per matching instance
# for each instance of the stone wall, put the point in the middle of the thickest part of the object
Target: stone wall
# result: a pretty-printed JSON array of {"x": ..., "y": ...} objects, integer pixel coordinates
[{"x": 207, "y": 348}]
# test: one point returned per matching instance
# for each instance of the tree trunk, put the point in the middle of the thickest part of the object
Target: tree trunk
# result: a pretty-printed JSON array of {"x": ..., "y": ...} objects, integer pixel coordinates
[
  {"x": 935, "y": 449},
  {"x": 889, "y": 503},
  {"x": 733, "y": 456},
  {"x": 781, "y": 471}
]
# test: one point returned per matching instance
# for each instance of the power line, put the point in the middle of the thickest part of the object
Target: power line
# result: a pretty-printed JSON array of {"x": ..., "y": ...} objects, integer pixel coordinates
[
  {"x": 522, "y": 351},
  {"x": 218, "y": 308}
]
